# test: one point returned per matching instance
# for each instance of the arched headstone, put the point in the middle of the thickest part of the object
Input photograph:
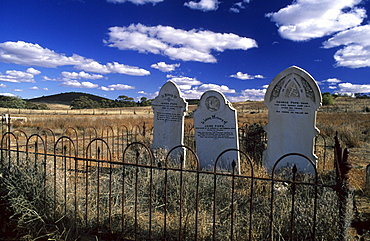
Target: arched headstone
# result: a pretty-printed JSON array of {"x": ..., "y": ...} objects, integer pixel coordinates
[
  {"x": 169, "y": 110},
  {"x": 292, "y": 99},
  {"x": 216, "y": 130}
]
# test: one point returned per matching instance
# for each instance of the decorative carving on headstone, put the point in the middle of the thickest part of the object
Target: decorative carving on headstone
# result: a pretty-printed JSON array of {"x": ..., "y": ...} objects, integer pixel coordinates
[{"x": 292, "y": 99}]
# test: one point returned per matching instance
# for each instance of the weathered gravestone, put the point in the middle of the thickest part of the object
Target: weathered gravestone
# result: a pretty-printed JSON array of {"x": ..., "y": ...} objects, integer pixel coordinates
[
  {"x": 169, "y": 110},
  {"x": 292, "y": 99},
  {"x": 216, "y": 130}
]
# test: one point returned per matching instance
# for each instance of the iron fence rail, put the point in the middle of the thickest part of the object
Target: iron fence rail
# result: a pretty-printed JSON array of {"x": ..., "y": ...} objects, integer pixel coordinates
[{"x": 147, "y": 196}]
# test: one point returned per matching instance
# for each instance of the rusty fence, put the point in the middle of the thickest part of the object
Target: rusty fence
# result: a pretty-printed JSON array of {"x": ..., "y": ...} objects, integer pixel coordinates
[{"x": 119, "y": 187}]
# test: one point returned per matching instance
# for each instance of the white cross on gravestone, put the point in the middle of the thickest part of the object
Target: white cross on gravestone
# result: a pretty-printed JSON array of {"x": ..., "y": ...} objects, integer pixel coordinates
[
  {"x": 216, "y": 130},
  {"x": 169, "y": 110},
  {"x": 292, "y": 99}
]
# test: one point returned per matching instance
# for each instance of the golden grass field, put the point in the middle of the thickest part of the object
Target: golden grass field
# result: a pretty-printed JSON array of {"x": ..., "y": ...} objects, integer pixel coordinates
[{"x": 347, "y": 116}]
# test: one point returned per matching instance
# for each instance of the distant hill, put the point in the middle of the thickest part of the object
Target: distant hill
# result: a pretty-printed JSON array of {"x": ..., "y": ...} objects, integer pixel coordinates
[{"x": 65, "y": 98}]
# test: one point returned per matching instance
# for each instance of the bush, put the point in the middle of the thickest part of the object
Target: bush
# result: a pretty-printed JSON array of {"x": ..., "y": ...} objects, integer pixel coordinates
[{"x": 327, "y": 99}]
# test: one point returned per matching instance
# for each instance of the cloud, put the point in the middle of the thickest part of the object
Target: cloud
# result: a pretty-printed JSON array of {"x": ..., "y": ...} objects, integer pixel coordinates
[
  {"x": 308, "y": 19},
  {"x": 77, "y": 84},
  {"x": 203, "y": 5},
  {"x": 81, "y": 75},
  {"x": 356, "y": 51},
  {"x": 117, "y": 87},
  {"x": 192, "y": 45},
  {"x": 353, "y": 88},
  {"x": 249, "y": 94},
  {"x": 114, "y": 67},
  {"x": 2, "y": 86},
  {"x": 197, "y": 91},
  {"x": 33, "y": 71},
  {"x": 162, "y": 66},
  {"x": 246, "y": 76},
  {"x": 223, "y": 88},
  {"x": 183, "y": 82},
  {"x": 332, "y": 81},
  {"x": 238, "y": 6},
  {"x": 7, "y": 94},
  {"x": 16, "y": 76},
  {"x": 33, "y": 54},
  {"x": 137, "y": 2},
  {"x": 34, "y": 88},
  {"x": 30, "y": 54}
]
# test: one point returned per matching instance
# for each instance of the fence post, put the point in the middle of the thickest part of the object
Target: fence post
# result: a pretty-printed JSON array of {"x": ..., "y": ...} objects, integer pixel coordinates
[
  {"x": 343, "y": 166},
  {"x": 367, "y": 185}
]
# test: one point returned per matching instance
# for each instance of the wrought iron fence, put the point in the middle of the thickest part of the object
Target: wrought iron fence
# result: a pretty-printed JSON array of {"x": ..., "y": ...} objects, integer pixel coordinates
[{"x": 111, "y": 183}]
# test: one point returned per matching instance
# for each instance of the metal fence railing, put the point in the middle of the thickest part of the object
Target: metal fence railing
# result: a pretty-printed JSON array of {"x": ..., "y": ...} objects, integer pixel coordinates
[{"x": 113, "y": 184}]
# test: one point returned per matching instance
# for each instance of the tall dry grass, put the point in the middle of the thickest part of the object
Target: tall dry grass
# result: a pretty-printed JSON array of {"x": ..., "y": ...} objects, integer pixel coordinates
[{"x": 117, "y": 199}]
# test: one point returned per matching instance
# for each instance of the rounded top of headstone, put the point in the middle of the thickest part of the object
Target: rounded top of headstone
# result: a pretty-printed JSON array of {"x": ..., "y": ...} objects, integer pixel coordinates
[
  {"x": 170, "y": 86},
  {"x": 296, "y": 84},
  {"x": 170, "y": 92},
  {"x": 213, "y": 101}
]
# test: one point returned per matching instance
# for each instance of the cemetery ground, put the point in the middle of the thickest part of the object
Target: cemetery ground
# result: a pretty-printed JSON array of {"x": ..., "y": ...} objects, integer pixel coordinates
[{"x": 348, "y": 116}]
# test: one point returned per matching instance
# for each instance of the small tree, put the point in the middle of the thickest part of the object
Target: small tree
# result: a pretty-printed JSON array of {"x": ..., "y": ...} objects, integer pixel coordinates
[
  {"x": 144, "y": 101},
  {"x": 84, "y": 102},
  {"x": 126, "y": 101},
  {"x": 12, "y": 102},
  {"x": 327, "y": 99}
]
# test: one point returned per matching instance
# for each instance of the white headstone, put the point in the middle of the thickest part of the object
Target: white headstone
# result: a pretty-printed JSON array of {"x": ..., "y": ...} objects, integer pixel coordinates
[
  {"x": 292, "y": 99},
  {"x": 169, "y": 110},
  {"x": 216, "y": 130}
]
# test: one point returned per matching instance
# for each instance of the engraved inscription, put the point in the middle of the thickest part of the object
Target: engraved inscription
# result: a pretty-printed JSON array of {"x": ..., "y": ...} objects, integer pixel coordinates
[
  {"x": 215, "y": 131},
  {"x": 167, "y": 116},
  {"x": 292, "y": 107}
]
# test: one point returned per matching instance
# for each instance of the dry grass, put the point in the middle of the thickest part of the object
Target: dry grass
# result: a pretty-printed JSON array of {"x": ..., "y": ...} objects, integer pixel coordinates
[{"x": 345, "y": 117}]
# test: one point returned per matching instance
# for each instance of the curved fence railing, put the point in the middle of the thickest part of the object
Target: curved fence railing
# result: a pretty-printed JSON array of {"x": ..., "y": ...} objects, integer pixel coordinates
[{"x": 109, "y": 185}]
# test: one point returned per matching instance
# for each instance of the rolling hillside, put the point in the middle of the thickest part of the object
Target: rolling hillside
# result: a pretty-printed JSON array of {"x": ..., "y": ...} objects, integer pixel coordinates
[{"x": 65, "y": 98}]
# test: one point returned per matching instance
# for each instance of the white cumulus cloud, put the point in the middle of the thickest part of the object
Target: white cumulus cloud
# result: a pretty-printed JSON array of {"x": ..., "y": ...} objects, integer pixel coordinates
[
  {"x": 30, "y": 54},
  {"x": 242, "y": 76},
  {"x": 16, "y": 76},
  {"x": 249, "y": 94},
  {"x": 203, "y": 5},
  {"x": 192, "y": 45},
  {"x": 33, "y": 71},
  {"x": 308, "y": 19},
  {"x": 183, "y": 82},
  {"x": 80, "y": 75},
  {"x": 117, "y": 87},
  {"x": 162, "y": 66},
  {"x": 332, "y": 81},
  {"x": 7, "y": 94},
  {"x": 356, "y": 50},
  {"x": 114, "y": 67},
  {"x": 353, "y": 88},
  {"x": 78, "y": 84},
  {"x": 197, "y": 91}
]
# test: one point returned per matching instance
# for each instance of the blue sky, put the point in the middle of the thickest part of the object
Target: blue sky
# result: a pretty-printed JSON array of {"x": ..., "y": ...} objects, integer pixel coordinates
[{"x": 132, "y": 47}]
